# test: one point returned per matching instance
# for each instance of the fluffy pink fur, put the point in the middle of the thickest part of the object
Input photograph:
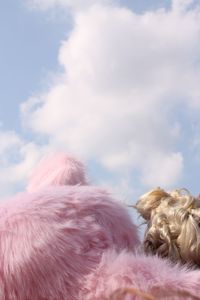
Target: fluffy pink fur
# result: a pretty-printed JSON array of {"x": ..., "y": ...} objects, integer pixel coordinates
[
  {"x": 49, "y": 240},
  {"x": 57, "y": 169},
  {"x": 148, "y": 274},
  {"x": 65, "y": 241}
]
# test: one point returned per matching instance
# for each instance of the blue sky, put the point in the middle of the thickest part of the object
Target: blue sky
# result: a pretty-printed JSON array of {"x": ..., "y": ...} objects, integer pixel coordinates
[
  {"x": 29, "y": 46},
  {"x": 113, "y": 82}
]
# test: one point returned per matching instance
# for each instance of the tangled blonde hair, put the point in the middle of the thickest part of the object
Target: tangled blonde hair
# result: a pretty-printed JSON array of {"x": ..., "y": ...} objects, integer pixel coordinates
[{"x": 173, "y": 224}]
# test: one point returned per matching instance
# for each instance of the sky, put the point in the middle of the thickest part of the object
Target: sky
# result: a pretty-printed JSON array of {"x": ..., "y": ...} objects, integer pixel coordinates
[{"x": 112, "y": 82}]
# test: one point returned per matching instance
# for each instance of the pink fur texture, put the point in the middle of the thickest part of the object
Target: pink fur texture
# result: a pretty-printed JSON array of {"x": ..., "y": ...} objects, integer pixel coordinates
[
  {"x": 51, "y": 239},
  {"x": 65, "y": 240},
  {"x": 57, "y": 169},
  {"x": 152, "y": 275}
]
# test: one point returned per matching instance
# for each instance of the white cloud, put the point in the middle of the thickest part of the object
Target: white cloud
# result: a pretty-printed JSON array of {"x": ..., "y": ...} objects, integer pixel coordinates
[
  {"x": 8, "y": 140},
  {"x": 124, "y": 76},
  {"x": 72, "y": 4},
  {"x": 181, "y": 5},
  {"x": 16, "y": 162},
  {"x": 161, "y": 167}
]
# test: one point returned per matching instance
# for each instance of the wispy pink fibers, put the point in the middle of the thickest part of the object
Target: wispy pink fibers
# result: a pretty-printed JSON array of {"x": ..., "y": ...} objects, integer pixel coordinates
[
  {"x": 152, "y": 275},
  {"x": 51, "y": 239},
  {"x": 57, "y": 169},
  {"x": 66, "y": 240}
]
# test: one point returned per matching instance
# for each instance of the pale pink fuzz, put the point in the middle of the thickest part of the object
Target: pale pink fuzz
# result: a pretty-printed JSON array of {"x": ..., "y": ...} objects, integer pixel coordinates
[
  {"x": 58, "y": 169},
  {"x": 51, "y": 239},
  {"x": 146, "y": 274}
]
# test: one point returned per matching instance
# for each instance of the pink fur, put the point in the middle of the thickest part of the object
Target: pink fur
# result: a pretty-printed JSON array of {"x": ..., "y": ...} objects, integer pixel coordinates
[
  {"x": 147, "y": 274},
  {"x": 65, "y": 240},
  {"x": 51, "y": 239},
  {"x": 57, "y": 169}
]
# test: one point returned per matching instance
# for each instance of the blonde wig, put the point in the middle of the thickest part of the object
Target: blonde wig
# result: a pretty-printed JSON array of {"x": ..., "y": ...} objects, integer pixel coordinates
[{"x": 173, "y": 224}]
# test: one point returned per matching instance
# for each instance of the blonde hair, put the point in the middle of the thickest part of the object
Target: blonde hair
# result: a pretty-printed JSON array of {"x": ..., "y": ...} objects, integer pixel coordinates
[{"x": 173, "y": 224}]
